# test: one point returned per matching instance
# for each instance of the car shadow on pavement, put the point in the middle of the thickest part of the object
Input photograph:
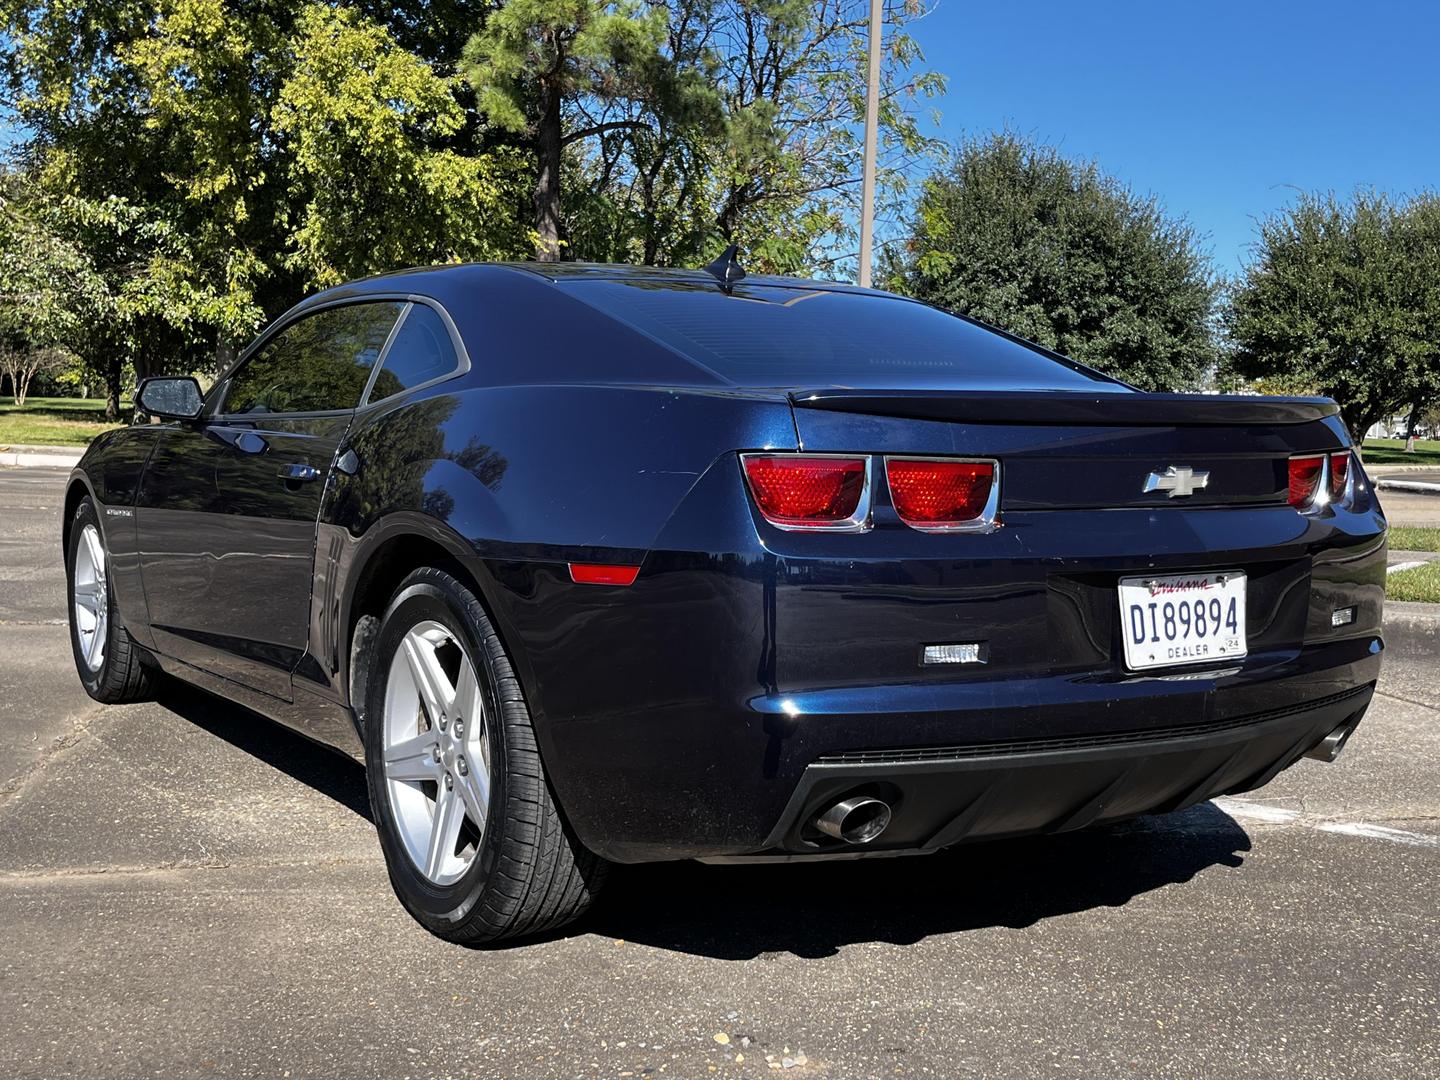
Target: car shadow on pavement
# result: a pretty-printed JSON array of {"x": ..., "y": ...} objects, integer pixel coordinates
[
  {"x": 330, "y": 773},
  {"x": 739, "y": 912}
]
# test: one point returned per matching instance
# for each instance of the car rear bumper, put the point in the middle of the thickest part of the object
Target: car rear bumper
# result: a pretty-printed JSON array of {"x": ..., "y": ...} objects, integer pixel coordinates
[
  {"x": 956, "y": 762},
  {"x": 939, "y": 796}
]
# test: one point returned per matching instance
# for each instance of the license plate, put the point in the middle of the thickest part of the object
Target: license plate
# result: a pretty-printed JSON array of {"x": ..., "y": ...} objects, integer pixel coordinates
[{"x": 1171, "y": 619}]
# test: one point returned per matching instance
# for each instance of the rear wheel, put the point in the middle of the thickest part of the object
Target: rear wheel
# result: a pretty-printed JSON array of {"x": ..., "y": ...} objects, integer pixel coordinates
[
  {"x": 106, "y": 659},
  {"x": 475, "y": 844}
]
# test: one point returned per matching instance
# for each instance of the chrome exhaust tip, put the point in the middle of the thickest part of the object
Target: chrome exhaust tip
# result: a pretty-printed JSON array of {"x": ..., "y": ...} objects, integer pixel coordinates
[
  {"x": 1328, "y": 748},
  {"x": 856, "y": 820}
]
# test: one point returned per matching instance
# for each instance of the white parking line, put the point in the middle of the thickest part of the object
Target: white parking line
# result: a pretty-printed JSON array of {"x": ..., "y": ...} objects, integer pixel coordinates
[
  {"x": 1380, "y": 832},
  {"x": 1245, "y": 810},
  {"x": 1404, "y": 566},
  {"x": 1253, "y": 811}
]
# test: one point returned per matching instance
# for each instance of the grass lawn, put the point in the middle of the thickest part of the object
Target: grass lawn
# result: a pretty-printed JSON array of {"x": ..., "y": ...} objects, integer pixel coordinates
[
  {"x": 1414, "y": 538},
  {"x": 53, "y": 421},
  {"x": 1392, "y": 452},
  {"x": 1421, "y": 583}
]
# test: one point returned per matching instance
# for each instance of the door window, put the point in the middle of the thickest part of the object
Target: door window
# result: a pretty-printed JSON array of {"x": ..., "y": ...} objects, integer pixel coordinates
[
  {"x": 318, "y": 364},
  {"x": 422, "y": 351}
]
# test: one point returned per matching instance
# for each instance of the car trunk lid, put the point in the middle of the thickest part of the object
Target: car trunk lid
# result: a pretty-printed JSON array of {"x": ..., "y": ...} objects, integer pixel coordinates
[{"x": 1074, "y": 450}]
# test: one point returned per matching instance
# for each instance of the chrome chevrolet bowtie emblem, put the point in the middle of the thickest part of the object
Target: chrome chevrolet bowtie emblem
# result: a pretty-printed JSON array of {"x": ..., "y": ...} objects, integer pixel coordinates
[{"x": 1177, "y": 480}]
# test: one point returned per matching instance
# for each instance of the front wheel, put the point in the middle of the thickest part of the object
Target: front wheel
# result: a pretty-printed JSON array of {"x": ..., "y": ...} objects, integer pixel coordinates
[
  {"x": 475, "y": 844},
  {"x": 106, "y": 660}
]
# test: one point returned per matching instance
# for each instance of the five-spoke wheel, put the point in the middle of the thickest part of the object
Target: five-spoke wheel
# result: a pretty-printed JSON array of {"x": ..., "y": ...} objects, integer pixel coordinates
[
  {"x": 436, "y": 758},
  {"x": 108, "y": 662},
  {"x": 475, "y": 843},
  {"x": 90, "y": 597}
]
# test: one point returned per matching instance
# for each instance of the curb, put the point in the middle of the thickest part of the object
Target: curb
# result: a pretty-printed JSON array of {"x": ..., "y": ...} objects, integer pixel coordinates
[
  {"x": 1376, "y": 471},
  {"x": 29, "y": 458},
  {"x": 1412, "y": 611},
  {"x": 34, "y": 457},
  {"x": 1412, "y": 629},
  {"x": 1417, "y": 487}
]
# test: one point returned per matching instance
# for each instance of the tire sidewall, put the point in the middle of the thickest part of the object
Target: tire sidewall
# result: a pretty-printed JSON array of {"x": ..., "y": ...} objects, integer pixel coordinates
[
  {"x": 85, "y": 514},
  {"x": 439, "y": 599}
]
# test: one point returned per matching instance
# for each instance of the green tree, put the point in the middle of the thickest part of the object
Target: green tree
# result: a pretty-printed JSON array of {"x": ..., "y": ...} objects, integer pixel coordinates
[
  {"x": 1056, "y": 251},
  {"x": 373, "y": 185},
  {"x": 149, "y": 134},
  {"x": 536, "y": 60},
  {"x": 48, "y": 287},
  {"x": 1344, "y": 297},
  {"x": 756, "y": 139},
  {"x": 152, "y": 313},
  {"x": 223, "y": 158}
]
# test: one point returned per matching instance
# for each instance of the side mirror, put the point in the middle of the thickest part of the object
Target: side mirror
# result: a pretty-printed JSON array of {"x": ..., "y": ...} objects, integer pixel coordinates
[{"x": 176, "y": 398}]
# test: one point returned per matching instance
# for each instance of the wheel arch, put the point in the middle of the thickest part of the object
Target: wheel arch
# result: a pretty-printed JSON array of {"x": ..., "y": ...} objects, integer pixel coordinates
[
  {"x": 76, "y": 489},
  {"x": 393, "y": 548}
]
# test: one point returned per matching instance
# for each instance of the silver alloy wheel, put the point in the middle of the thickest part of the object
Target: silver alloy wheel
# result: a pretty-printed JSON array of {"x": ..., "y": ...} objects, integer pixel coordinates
[
  {"x": 90, "y": 597},
  {"x": 436, "y": 757}
]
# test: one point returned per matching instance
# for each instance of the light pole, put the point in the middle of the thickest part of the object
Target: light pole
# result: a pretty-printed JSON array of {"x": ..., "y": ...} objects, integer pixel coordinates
[{"x": 872, "y": 139}]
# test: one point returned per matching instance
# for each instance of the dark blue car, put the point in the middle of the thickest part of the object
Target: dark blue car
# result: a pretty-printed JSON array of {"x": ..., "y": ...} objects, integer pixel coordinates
[{"x": 597, "y": 564}]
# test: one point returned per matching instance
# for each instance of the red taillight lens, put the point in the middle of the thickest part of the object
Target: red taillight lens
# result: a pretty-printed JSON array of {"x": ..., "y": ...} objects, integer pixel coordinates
[
  {"x": 1339, "y": 475},
  {"x": 1305, "y": 479},
  {"x": 934, "y": 493},
  {"x": 807, "y": 491}
]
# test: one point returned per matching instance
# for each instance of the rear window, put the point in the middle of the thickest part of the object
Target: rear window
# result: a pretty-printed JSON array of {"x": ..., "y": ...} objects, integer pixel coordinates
[{"x": 766, "y": 335}]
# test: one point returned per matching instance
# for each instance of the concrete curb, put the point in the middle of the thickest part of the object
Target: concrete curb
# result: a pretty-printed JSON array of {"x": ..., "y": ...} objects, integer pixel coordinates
[
  {"x": 1411, "y": 611},
  {"x": 1416, "y": 487},
  {"x": 1412, "y": 629},
  {"x": 39, "y": 457},
  {"x": 1387, "y": 470}
]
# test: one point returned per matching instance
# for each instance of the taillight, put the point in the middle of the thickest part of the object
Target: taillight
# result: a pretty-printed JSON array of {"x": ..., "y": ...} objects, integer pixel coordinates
[
  {"x": 1339, "y": 475},
  {"x": 810, "y": 491},
  {"x": 1305, "y": 474},
  {"x": 942, "y": 494}
]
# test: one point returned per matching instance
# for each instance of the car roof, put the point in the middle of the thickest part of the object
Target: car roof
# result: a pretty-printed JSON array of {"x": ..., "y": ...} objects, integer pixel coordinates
[
  {"x": 581, "y": 271},
  {"x": 566, "y": 272}
]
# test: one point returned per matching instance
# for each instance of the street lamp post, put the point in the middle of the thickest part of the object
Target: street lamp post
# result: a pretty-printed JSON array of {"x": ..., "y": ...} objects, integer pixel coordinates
[{"x": 872, "y": 138}]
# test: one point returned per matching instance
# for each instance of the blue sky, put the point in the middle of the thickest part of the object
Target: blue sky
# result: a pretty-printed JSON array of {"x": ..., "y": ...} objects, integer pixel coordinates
[{"x": 1220, "y": 109}]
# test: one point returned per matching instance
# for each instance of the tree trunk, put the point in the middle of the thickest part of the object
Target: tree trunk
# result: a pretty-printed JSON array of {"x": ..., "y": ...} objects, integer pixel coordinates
[
  {"x": 144, "y": 366},
  {"x": 547, "y": 181},
  {"x": 114, "y": 369},
  {"x": 225, "y": 353}
]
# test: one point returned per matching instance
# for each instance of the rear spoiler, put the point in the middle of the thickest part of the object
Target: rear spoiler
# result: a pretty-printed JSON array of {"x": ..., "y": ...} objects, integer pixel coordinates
[{"x": 1082, "y": 409}]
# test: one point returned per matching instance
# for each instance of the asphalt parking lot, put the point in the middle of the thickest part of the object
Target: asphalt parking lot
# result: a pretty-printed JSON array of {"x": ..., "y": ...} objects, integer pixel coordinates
[{"x": 186, "y": 890}]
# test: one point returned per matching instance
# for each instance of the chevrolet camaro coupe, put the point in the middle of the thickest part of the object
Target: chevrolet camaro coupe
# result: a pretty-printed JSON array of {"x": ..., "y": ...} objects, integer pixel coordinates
[{"x": 601, "y": 564}]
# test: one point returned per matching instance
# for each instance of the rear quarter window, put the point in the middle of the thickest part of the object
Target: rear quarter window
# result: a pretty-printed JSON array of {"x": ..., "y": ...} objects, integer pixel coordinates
[
  {"x": 421, "y": 352},
  {"x": 774, "y": 336}
]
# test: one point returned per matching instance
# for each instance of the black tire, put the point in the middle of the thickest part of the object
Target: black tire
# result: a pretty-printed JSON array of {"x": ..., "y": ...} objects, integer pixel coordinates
[
  {"x": 121, "y": 675},
  {"x": 529, "y": 873}
]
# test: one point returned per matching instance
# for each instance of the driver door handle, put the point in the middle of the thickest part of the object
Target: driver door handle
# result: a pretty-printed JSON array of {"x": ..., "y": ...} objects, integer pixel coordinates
[{"x": 296, "y": 472}]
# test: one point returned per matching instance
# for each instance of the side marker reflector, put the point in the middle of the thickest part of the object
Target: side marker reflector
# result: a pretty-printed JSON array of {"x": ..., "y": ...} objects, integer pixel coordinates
[{"x": 603, "y": 573}]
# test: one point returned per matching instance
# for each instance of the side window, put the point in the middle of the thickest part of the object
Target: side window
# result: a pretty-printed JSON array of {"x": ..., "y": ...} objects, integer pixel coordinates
[
  {"x": 422, "y": 351},
  {"x": 320, "y": 363}
]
